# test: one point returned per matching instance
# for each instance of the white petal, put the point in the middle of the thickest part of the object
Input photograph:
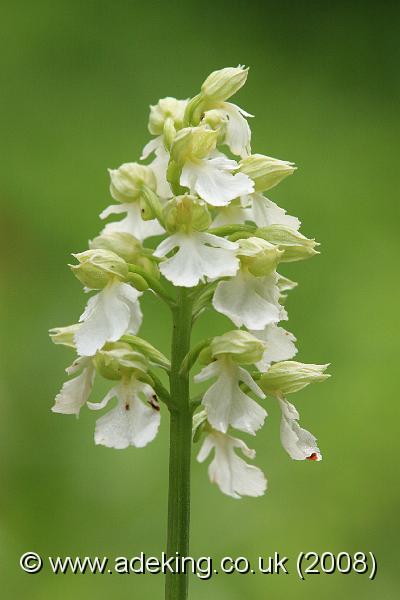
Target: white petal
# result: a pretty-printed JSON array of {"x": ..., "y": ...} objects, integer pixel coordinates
[
  {"x": 79, "y": 363},
  {"x": 250, "y": 301},
  {"x": 113, "y": 209},
  {"x": 132, "y": 223},
  {"x": 108, "y": 315},
  {"x": 195, "y": 259},
  {"x": 159, "y": 167},
  {"x": 75, "y": 392},
  {"x": 227, "y": 404},
  {"x": 279, "y": 345},
  {"x": 207, "y": 372},
  {"x": 131, "y": 422},
  {"x": 152, "y": 146},
  {"x": 213, "y": 181},
  {"x": 265, "y": 213},
  {"x": 232, "y": 474},
  {"x": 299, "y": 443},
  {"x": 249, "y": 381},
  {"x": 231, "y": 215},
  {"x": 238, "y": 133}
]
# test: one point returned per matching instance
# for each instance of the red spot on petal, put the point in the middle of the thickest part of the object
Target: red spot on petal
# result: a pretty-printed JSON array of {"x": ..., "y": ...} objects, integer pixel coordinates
[{"x": 313, "y": 456}]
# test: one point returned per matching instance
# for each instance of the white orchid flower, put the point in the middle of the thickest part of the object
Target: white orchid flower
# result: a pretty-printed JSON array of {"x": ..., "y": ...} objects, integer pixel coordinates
[
  {"x": 226, "y": 404},
  {"x": 132, "y": 223},
  {"x": 212, "y": 179},
  {"x": 231, "y": 473},
  {"x": 279, "y": 345},
  {"x": 108, "y": 315},
  {"x": 135, "y": 419},
  {"x": 200, "y": 255},
  {"x": 299, "y": 443},
  {"x": 237, "y": 131},
  {"x": 250, "y": 301},
  {"x": 75, "y": 392}
]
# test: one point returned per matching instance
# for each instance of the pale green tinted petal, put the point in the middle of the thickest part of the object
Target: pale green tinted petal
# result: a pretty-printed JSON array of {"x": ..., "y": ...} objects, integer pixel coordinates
[
  {"x": 279, "y": 345},
  {"x": 299, "y": 443}
]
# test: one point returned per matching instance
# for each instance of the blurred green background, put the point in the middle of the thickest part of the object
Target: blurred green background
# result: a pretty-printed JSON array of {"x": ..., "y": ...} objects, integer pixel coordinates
[{"x": 76, "y": 82}]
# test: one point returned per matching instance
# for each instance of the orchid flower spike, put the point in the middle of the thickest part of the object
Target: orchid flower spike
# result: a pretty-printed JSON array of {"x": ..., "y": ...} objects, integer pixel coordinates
[{"x": 191, "y": 227}]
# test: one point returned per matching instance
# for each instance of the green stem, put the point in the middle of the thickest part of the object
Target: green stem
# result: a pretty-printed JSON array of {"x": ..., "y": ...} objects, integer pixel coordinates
[{"x": 176, "y": 585}]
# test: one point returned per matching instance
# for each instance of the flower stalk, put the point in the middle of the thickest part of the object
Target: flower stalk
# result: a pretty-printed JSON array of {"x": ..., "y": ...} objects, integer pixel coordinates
[{"x": 180, "y": 442}]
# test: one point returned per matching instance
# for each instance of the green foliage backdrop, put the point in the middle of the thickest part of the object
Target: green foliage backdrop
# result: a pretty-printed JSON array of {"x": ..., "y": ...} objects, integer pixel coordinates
[{"x": 76, "y": 80}]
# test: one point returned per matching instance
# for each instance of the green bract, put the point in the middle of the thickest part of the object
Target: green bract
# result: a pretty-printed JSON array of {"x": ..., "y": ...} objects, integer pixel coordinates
[
  {"x": 97, "y": 267},
  {"x": 289, "y": 376}
]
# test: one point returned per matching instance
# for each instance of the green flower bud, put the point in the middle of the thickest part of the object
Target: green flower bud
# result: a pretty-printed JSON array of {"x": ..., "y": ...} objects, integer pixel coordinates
[
  {"x": 97, "y": 267},
  {"x": 258, "y": 256},
  {"x": 221, "y": 85},
  {"x": 185, "y": 213},
  {"x": 293, "y": 244},
  {"x": 191, "y": 143},
  {"x": 64, "y": 335},
  {"x": 242, "y": 347},
  {"x": 166, "y": 108},
  {"x": 127, "y": 181},
  {"x": 287, "y": 377},
  {"x": 115, "y": 360},
  {"x": 127, "y": 247},
  {"x": 266, "y": 172},
  {"x": 123, "y": 244}
]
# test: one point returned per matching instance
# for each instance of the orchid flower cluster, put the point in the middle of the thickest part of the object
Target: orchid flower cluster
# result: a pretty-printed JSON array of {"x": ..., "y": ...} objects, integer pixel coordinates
[{"x": 194, "y": 218}]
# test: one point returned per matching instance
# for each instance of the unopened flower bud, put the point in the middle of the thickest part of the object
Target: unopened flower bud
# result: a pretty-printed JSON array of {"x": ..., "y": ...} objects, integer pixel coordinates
[
  {"x": 266, "y": 172},
  {"x": 97, "y": 267},
  {"x": 241, "y": 346},
  {"x": 185, "y": 213},
  {"x": 193, "y": 142},
  {"x": 166, "y": 108},
  {"x": 293, "y": 244},
  {"x": 128, "y": 180},
  {"x": 123, "y": 244},
  {"x": 117, "y": 359},
  {"x": 259, "y": 256},
  {"x": 287, "y": 377},
  {"x": 221, "y": 85}
]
